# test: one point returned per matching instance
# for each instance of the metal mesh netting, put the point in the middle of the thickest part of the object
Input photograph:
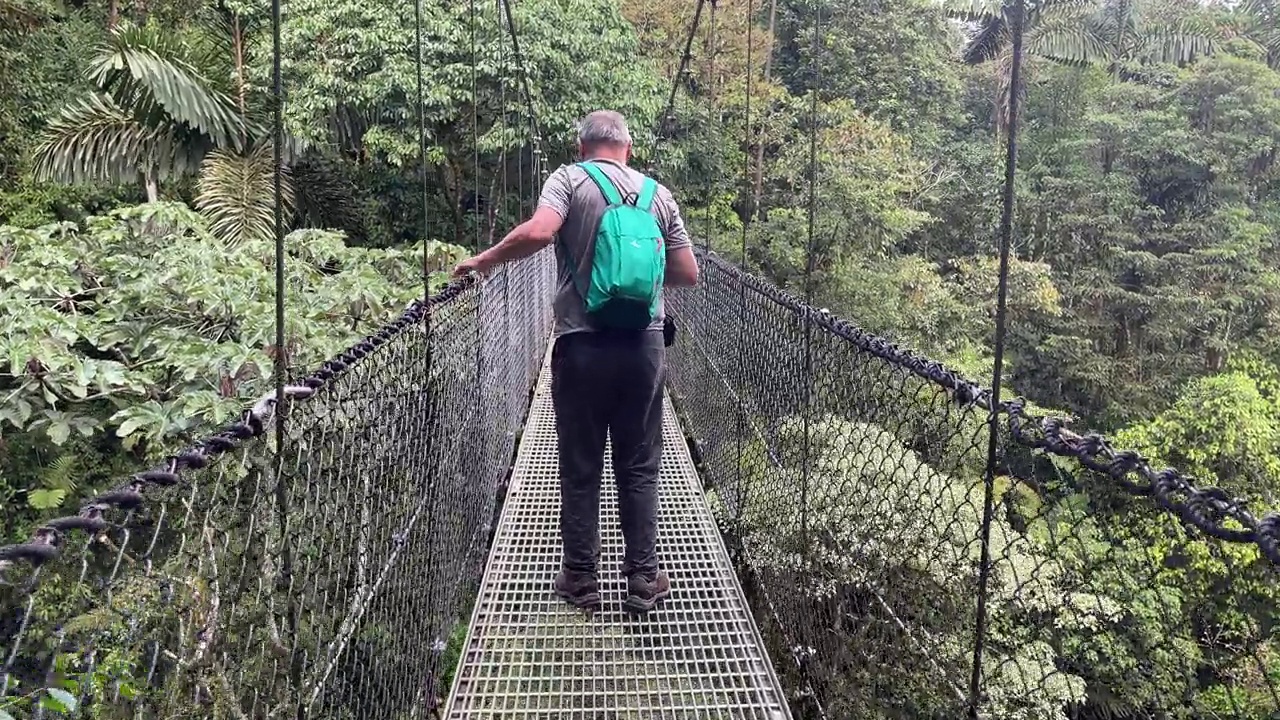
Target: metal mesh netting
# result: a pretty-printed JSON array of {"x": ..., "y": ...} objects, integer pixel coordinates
[
  {"x": 848, "y": 477},
  {"x": 215, "y": 586}
]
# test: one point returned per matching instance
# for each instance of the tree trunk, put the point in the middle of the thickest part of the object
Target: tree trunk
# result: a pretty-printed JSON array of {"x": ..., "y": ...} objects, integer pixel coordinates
[
  {"x": 153, "y": 186},
  {"x": 113, "y": 14}
]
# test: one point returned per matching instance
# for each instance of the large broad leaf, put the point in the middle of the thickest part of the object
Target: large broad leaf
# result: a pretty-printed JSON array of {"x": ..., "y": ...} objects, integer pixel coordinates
[{"x": 237, "y": 194}]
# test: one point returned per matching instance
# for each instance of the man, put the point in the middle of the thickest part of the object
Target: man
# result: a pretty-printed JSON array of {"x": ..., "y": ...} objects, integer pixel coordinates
[{"x": 604, "y": 379}]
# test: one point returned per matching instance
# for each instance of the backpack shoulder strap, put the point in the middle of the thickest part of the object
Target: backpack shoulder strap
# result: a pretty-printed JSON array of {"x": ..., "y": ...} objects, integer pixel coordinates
[
  {"x": 611, "y": 194},
  {"x": 648, "y": 191}
]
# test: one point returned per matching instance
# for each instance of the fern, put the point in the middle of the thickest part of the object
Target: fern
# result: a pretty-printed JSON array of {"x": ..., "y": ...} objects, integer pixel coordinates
[{"x": 61, "y": 474}]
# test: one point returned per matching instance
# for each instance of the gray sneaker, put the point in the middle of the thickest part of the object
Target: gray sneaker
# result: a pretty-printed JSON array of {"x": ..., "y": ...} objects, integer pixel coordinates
[
  {"x": 643, "y": 593},
  {"x": 578, "y": 588}
]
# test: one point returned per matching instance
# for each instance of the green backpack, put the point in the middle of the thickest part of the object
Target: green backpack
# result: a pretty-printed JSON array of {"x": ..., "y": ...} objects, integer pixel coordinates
[{"x": 630, "y": 262}]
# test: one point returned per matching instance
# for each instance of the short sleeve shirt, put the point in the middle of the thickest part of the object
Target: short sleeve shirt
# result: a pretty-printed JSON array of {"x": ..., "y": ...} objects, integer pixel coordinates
[{"x": 571, "y": 193}]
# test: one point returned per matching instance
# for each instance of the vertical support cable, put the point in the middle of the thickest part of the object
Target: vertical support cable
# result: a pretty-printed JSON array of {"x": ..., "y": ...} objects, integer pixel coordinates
[
  {"x": 526, "y": 200},
  {"x": 521, "y": 198},
  {"x": 815, "y": 75},
  {"x": 482, "y": 388},
  {"x": 742, "y": 286},
  {"x": 475, "y": 128},
  {"x": 538, "y": 170},
  {"x": 277, "y": 128},
  {"x": 285, "y": 582},
  {"x": 428, "y": 394},
  {"x": 669, "y": 114},
  {"x": 711, "y": 80},
  {"x": 277, "y": 121},
  {"x": 422, "y": 155},
  {"x": 686, "y": 57},
  {"x": 1017, "y": 9},
  {"x": 502, "y": 205},
  {"x": 524, "y": 79},
  {"x": 668, "y": 117}
]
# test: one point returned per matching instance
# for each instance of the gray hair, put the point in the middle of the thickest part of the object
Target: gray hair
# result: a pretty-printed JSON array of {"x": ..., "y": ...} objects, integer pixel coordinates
[{"x": 604, "y": 127}]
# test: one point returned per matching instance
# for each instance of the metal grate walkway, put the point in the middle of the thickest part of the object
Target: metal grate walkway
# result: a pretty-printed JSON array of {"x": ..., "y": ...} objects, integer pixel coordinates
[{"x": 528, "y": 654}]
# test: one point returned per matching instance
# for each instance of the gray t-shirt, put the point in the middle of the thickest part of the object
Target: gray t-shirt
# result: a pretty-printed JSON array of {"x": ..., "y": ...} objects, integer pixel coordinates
[{"x": 571, "y": 193}]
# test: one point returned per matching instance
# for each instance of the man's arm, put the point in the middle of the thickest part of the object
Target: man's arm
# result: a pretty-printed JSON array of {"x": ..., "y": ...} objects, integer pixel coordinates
[
  {"x": 531, "y": 235},
  {"x": 682, "y": 266}
]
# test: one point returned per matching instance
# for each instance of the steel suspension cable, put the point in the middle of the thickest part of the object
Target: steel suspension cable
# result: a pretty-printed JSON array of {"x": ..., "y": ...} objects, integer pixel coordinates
[
  {"x": 475, "y": 129},
  {"x": 285, "y": 580},
  {"x": 422, "y": 152},
  {"x": 741, "y": 365},
  {"x": 711, "y": 80},
  {"x": 522, "y": 71},
  {"x": 815, "y": 76},
  {"x": 1006, "y": 236},
  {"x": 667, "y": 119}
]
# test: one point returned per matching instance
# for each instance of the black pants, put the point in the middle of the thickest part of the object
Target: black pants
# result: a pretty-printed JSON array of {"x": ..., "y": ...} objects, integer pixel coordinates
[{"x": 609, "y": 383}]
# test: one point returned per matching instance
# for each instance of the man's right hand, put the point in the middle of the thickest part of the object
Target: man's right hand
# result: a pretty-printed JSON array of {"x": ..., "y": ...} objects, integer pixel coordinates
[{"x": 476, "y": 264}]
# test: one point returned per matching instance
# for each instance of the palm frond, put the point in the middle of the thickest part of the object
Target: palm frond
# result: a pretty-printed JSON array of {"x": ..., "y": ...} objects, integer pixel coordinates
[
  {"x": 1047, "y": 8},
  {"x": 1263, "y": 27},
  {"x": 93, "y": 139},
  {"x": 61, "y": 474},
  {"x": 974, "y": 10},
  {"x": 987, "y": 42},
  {"x": 143, "y": 71},
  {"x": 1047, "y": 17},
  {"x": 1166, "y": 33},
  {"x": 1067, "y": 37},
  {"x": 1171, "y": 45},
  {"x": 236, "y": 193},
  {"x": 220, "y": 24}
]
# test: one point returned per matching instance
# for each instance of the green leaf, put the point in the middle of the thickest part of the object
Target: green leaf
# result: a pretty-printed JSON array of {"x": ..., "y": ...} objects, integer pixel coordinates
[
  {"x": 58, "y": 432},
  {"x": 128, "y": 427},
  {"x": 63, "y": 700},
  {"x": 24, "y": 411},
  {"x": 45, "y": 499}
]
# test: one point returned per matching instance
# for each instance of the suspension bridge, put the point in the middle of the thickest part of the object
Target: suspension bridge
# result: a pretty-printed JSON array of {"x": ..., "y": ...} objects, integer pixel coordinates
[
  {"x": 851, "y": 530},
  {"x": 822, "y": 519}
]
